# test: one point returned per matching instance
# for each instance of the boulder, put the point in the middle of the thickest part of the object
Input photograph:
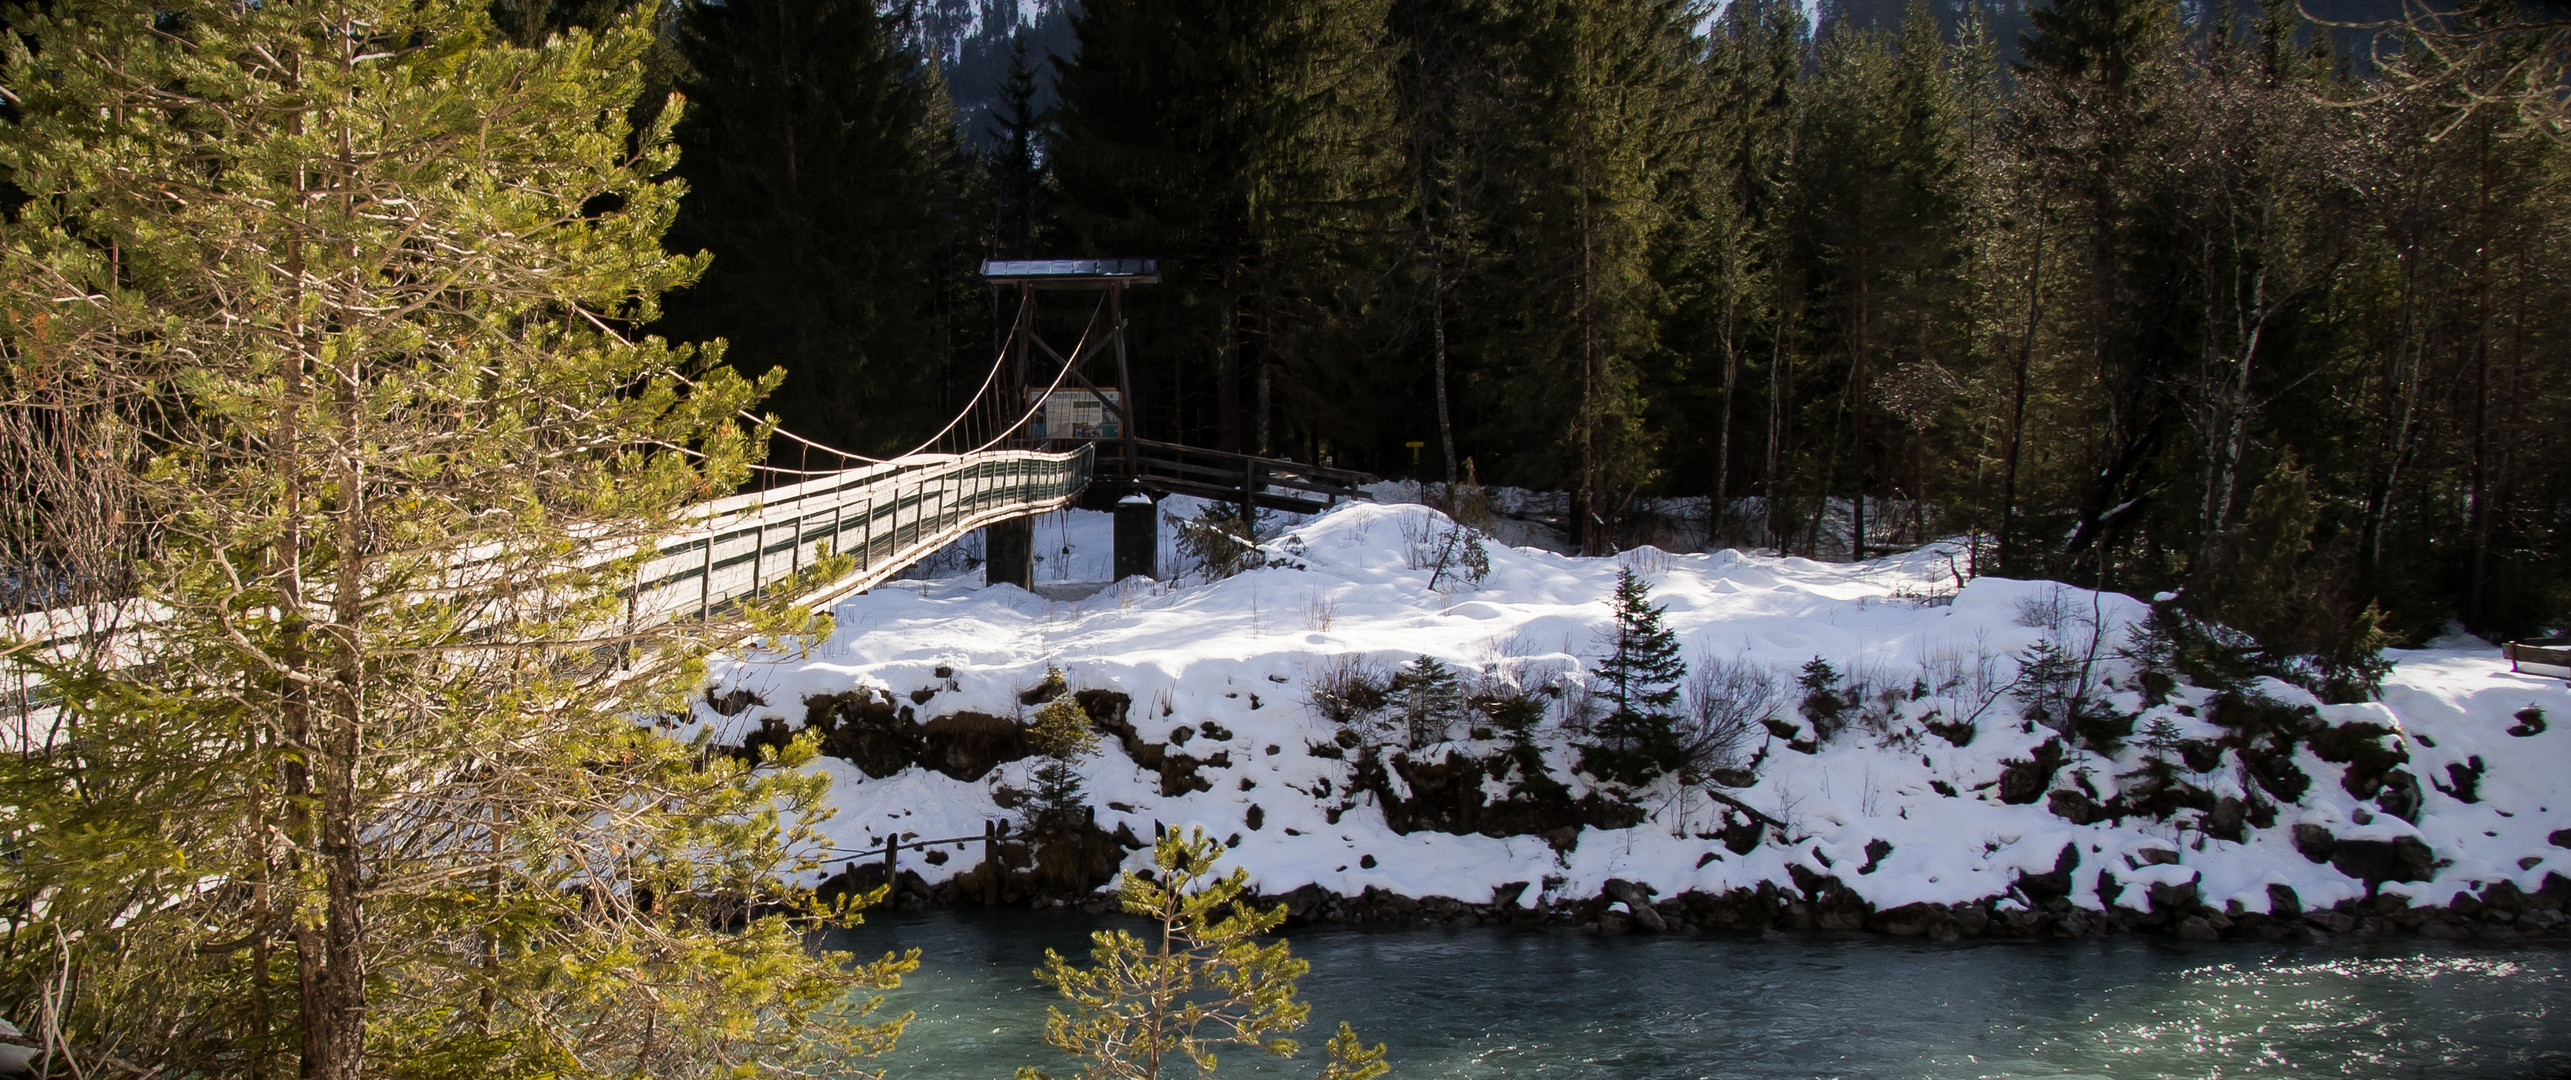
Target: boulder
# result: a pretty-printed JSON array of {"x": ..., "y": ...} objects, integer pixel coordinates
[
  {"x": 2056, "y": 882},
  {"x": 1909, "y": 920},
  {"x": 2175, "y": 897},
  {"x": 2283, "y": 903},
  {"x": 2076, "y": 807},
  {"x": 2023, "y": 782},
  {"x": 1637, "y": 898},
  {"x": 2377, "y": 861}
]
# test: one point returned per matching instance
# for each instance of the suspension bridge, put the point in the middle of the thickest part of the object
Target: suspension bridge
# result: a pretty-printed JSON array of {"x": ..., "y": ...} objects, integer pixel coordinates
[{"x": 993, "y": 467}]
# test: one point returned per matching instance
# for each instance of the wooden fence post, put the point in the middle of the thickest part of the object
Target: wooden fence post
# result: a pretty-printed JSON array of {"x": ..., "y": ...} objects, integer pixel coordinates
[
  {"x": 705, "y": 581},
  {"x": 991, "y": 864},
  {"x": 892, "y": 846}
]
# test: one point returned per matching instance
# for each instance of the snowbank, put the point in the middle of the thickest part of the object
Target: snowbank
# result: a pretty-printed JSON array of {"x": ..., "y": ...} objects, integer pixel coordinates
[{"x": 1897, "y": 813}]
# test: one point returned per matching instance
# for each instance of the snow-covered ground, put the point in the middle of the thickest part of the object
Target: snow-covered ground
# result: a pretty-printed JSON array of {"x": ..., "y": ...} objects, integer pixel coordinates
[{"x": 1896, "y": 813}]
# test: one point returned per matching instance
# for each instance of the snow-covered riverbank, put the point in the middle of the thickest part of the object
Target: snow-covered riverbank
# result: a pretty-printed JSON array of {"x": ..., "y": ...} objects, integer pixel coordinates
[{"x": 1939, "y": 792}]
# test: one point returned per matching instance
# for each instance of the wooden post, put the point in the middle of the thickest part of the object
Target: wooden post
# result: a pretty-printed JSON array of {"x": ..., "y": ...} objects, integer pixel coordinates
[
  {"x": 1249, "y": 495},
  {"x": 705, "y": 581},
  {"x": 1124, "y": 380},
  {"x": 892, "y": 846},
  {"x": 990, "y": 864}
]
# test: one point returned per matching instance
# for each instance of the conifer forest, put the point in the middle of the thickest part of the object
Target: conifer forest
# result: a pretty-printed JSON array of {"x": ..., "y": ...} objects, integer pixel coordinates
[{"x": 2140, "y": 294}]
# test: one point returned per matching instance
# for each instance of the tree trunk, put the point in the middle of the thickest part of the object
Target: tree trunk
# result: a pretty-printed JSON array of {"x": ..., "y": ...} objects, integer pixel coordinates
[
  {"x": 1718, "y": 511},
  {"x": 2017, "y": 401},
  {"x": 1857, "y": 393}
]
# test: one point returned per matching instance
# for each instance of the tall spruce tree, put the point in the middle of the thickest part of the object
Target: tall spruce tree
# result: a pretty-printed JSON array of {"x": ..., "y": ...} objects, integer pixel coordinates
[
  {"x": 2100, "y": 78},
  {"x": 1637, "y": 740},
  {"x": 368, "y": 793},
  {"x": 827, "y": 180},
  {"x": 1016, "y": 157},
  {"x": 1881, "y": 221},
  {"x": 1599, "y": 96},
  {"x": 1248, "y": 143}
]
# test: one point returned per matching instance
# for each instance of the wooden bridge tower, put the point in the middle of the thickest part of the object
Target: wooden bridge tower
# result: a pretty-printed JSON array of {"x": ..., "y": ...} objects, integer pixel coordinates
[{"x": 1009, "y": 548}]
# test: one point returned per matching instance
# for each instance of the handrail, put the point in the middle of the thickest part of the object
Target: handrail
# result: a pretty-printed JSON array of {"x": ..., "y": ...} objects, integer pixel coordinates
[{"x": 898, "y": 512}]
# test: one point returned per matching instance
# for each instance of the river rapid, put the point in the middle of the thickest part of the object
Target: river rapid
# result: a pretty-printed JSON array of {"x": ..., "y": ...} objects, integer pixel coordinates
[{"x": 1486, "y": 1003}]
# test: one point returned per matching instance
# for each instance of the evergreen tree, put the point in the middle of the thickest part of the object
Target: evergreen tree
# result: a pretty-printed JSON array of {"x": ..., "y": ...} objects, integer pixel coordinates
[
  {"x": 1637, "y": 740},
  {"x": 368, "y": 794},
  {"x": 1017, "y": 156},
  {"x": 2101, "y": 77},
  {"x": 1879, "y": 181},
  {"x": 1204, "y": 982},
  {"x": 1429, "y": 699},
  {"x": 1060, "y": 734},
  {"x": 1604, "y": 89},
  {"x": 826, "y": 179},
  {"x": 1825, "y": 701},
  {"x": 1249, "y": 144},
  {"x": 1448, "y": 89}
]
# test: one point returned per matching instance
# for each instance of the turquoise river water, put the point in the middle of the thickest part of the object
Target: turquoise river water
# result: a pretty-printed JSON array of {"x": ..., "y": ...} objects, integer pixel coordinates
[{"x": 1487, "y": 1003}]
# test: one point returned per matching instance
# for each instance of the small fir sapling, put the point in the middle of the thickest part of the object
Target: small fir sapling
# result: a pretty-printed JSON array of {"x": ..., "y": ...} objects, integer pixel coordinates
[
  {"x": 2151, "y": 788},
  {"x": 1427, "y": 698},
  {"x": 1825, "y": 702},
  {"x": 1205, "y": 980},
  {"x": 1514, "y": 711},
  {"x": 1060, "y": 734},
  {"x": 2058, "y": 689},
  {"x": 1636, "y": 740}
]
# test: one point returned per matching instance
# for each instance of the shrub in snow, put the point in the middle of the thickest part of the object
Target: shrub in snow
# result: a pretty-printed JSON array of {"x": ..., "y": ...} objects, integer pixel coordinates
[
  {"x": 1351, "y": 693},
  {"x": 1636, "y": 739},
  {"x": 1726, "y": 701},
  {"x": 1217, "y": 541},
  {"x": 1448, "y": 549}
]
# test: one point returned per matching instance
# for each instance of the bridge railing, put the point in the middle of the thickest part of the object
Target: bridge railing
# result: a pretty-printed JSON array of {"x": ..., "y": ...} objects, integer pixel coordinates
[{"x": 887, "y": 517}]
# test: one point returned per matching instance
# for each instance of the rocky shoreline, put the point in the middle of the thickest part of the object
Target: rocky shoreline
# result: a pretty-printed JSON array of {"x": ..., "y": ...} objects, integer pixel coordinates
[{"x": 2039, "y": 909}]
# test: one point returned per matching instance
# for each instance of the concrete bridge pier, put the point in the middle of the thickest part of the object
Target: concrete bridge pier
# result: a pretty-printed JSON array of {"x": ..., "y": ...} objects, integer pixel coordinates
[
  {"x": 1138, "y": 537},
  {"x": 1009, "y": 553}
]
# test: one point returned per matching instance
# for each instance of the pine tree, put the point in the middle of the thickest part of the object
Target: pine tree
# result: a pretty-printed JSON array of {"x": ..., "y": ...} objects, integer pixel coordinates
[
  {"x": 2100, "y": 78},
  {"x": 1637, "y": 741},
  {"x": 1249, "y": 144},
  {"x": 1604, "y": 87},
  {"x": 1060, "y": 734},
  {"x": 368, "y": 793},
  {"x": 1017, "y": 156},
  {"x": 827, "y": 180},
  {"x": 1429, "y": 698},
  {"x": 1879, "y": 180},
  {"x": 1825, "y": 701},
  {"x": 1204, "y": 982}
]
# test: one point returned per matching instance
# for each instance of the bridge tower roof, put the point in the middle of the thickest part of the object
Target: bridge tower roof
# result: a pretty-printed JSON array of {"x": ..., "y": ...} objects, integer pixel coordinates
[{"x": 1071, "y": 273}]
